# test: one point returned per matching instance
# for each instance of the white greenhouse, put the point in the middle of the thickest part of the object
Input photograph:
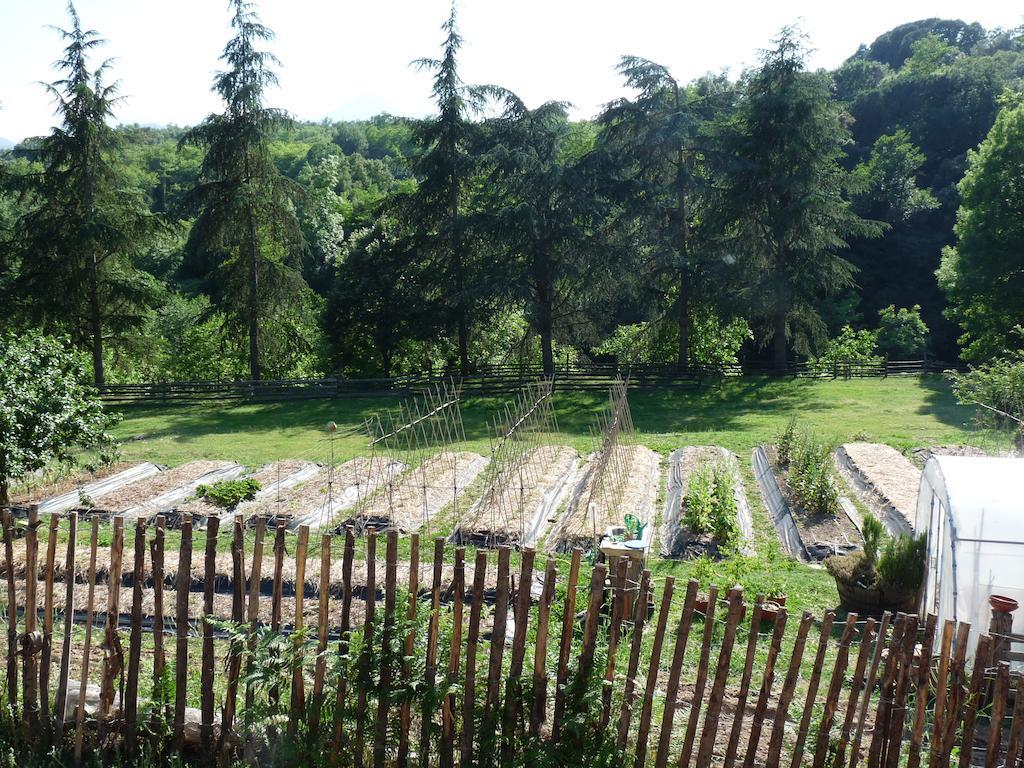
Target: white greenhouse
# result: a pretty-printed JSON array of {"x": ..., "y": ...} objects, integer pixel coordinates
[{"x": 973, "y": 511}]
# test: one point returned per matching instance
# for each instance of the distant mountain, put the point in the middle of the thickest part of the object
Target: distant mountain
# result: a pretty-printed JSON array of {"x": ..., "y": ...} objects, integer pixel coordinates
[{"x": 6, "y": 143}]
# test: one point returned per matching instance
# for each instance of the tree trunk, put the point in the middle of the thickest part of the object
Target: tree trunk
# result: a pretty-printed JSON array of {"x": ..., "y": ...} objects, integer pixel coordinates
[
  {"x": 254, "y": 323},
  {"x": 96, "y": 322},
  {"x": 780, "y": 342},
  {"x": 683, "y": 353}
]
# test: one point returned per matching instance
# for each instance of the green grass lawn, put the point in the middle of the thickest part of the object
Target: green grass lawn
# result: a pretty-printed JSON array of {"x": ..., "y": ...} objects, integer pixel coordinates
[{"x": 904, "y": 412}]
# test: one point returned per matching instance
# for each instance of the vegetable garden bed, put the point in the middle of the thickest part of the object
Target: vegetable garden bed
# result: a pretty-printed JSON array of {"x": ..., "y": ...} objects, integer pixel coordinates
[{"x": 885, "y": 480}]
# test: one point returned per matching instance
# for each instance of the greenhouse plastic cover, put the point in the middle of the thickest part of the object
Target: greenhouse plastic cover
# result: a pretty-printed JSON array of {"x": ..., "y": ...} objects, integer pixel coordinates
[{"x": 973, "y": 511}]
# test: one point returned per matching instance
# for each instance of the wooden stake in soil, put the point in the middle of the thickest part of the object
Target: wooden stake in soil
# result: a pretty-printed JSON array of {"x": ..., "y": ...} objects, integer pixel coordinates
[
  {"x": 856, "y": 684},
  {"x": 880, "y": 643},
  {"x": 812, "y": 687},
  {"x": 498, "y": 633},
  {"x": 135, "y": 638},
  {"x": 386, "y": 656},
  {"x": 835, "y": 688},
  {"x": 208, "y": 659},
  {"x": 619, "y": 600},
  {"x": 277, "y": 598},
  {"x": 364, "y": 657},
  {"x": 767, "y": 680},
  {"x": 469, "y": 689},
  {"x": 565, "y": 645},
  {"x": 975, "y": 698},
  {"x": 448, "y": 714},
  {"x": 710, "y": 732},
  {"x": 69, "y": 623},
  {"x": 514, "y": 682},
  {"x": 298, "y": 699},
  {"x": 885, "y": 692},
  {"x": 958, "y": 678},
  {"x": 253, "y": 608},
  {"x": 181, "y": 629},
  {"x": 897, "y": 714},
  {"x": 87, "y": 645},
  {"x": 45, "y": 656},
  {"x": 586, "y": 661},
  {"x": 430, "y": 667},
  {"x": 788, "y": 688},
  {"x": 12, "y": 616},
  {"x": 341, "y": 700},
  {"x": 405, "y": 714},
  {"x": 1016, "y": 738},
  {"x": 629, "y": 695},
  {"x": 644, "y": 728},
  {"x": 31, "y": 642},
  {"x": 540, "y": 652},
  {"x": 702, "y": 676},
  {"x": 924, "y": 677},
  {"x": 995, "y": 729},
  {"x": 675, "y": 670}
]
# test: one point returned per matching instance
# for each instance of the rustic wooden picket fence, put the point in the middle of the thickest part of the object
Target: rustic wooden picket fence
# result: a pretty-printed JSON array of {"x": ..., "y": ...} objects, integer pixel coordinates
[{"x": 606, "y": 678}]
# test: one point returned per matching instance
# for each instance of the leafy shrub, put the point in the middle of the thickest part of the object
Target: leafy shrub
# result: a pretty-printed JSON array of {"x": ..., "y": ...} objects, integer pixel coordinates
[
  {"x": 874, "y": 534},
  {"x": 901, "y": 564},
  {"x": 229, "y": 493},
  {"x": 710, "y": 503},
  {"x": 902, "y": 332},
  {"x": 810, "y": 475},
  {"x": 890, "y": 563},
  {"x": 850, "y": 346},
  {"x": 786, "y": 441},
  {"x": 998, "y": 384}
]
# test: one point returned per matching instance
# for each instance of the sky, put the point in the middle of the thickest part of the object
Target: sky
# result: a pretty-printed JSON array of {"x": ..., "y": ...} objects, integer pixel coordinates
[{"x": 347, "y": 60}]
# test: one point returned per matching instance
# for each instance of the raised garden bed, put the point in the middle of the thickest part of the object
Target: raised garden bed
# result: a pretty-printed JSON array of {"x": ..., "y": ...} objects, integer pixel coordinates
[
  {"x": 583, "y": 525},
  {"x": 270, "y": 479},
  {"x": 67, "y": 493},
  {"x": 517, "y": 508},
  {"x": 411, "y": 499},
  {"x": 678, "y": 538},
  {"x": 885, "y": 480}
]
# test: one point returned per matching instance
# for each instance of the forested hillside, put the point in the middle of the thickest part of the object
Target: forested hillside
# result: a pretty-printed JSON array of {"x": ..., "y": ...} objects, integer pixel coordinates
[{"x": 785, "y": 214}]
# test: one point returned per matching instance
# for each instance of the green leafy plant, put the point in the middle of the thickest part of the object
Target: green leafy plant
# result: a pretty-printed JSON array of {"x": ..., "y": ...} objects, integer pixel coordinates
[
  {"x": 699, "y": 501},
  {"x": 810, "y": 475},
  {"x": 901, "y": 564},
  {"x": 786, "y": 441},
  {"x": 229, "y": 493}
]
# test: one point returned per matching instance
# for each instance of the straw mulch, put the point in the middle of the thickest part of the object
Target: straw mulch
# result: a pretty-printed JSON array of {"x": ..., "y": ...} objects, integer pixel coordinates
[
  {"x": 271, "y": 473},
  {"x": 638, "y": 496},
  {"x": 888, "y": 473},
  {"x": 415, "y": 496},
  {"x": 137, "y": 493},
  {"x": 48, "y": 486},
  {"x": 508, "y": 509}
]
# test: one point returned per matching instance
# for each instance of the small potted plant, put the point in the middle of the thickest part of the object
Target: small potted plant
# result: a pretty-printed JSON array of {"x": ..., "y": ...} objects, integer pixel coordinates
[
  {"x": 775, "y": 598},
  {"x": 703, "y": 572}
]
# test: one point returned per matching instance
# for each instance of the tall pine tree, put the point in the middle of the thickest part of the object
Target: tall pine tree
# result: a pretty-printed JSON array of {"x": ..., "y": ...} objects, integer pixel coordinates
[
  {"x": 246, "y": 241},
  {"x": 785, "y": 197},
  {"x": 83, "y": 221}
]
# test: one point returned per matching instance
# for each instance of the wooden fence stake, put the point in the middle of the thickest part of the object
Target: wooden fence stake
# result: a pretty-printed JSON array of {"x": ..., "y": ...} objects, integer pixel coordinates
[
  {"x": 430, "y": 666},
  {"x": 47, "y": 651},
  {"x": 12, "y": 616},
  {"x": 364, "y": 656},
  {"x": 898, "y": 711},
  {"x": 995, "y": 729},
  {"x": 405, "y": 713},
  {"x": 709, "y": 734},
  {"x": 767, "y": 680},
  {"x": 31, "y": 643},
  {"x": 744, "y": 689},
  {"x": 675, "y": 670},
  {"x": 323, "y": 626},
  {"x": 131, "y": 693},
  {"x": 1016, "y": 738},
  {"x": 253, "y": 607},
  {"x": 387, "y": 651},
  {"x": 869, "y": 687},
  {"x": 644, "y": 727},
  {"x": 514, "y": 682},
  {"x": 87, "y": 645},
  {"x": 924, "y": 678},
  {"x": 886, "y": 692},
  {"x": 786, "y": 694},
  {"x": 856, "y": 685},
  {"x": 975, "y": 697},
  {"x": 619, "y": 600},
  {"x": 812, "y": 688},
  {"x": 500, "y": 625},
  {"x": 832, "y": 696},
  {"x": 113, "y": 656},
  {"x": 565, "y": 644},
  {"x": 69, "y": 622},
  {"x": 640, "y": 605},
  {"x": 184, "y": 583},
  {"x": 598, "y": 574},
  {"x": 341, "y": 700},
  {"x": 227, "y": 717},
  {"x": 208, "y": 659},
  {"x": 540, "y": 653},
  {"x": 156, "y": 556},
  {"x": 941, "y": 693},
  {"x": 469, "y": 688},
  {"x": 957, "y": 688},
  {"x": 277, "y": 600},
  {"x": 702, "y": 677},
  {"x": 298, "y": 697},
  {"x": 447, "y": 756}
]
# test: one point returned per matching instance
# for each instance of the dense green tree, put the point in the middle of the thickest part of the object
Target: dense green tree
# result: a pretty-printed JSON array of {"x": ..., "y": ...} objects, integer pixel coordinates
[
  {"x": 84, "y": 221},
  {"x": 541, "y": 208},
  {"x": 785, "y": 196},
  {"x": 901, "y": 332},
  {"x": 438, "y": 209},
  {"x": 48, "y": 411},
  {"x": 246, "y": 241},
  {"x": 983, "y": 275},
  {"x": 660, "y": 141}
]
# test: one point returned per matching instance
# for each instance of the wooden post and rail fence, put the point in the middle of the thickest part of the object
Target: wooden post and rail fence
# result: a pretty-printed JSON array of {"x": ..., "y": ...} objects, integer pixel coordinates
[
  {"x": 494, "y": 380},
  {"x": 385, "y": 660}
]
